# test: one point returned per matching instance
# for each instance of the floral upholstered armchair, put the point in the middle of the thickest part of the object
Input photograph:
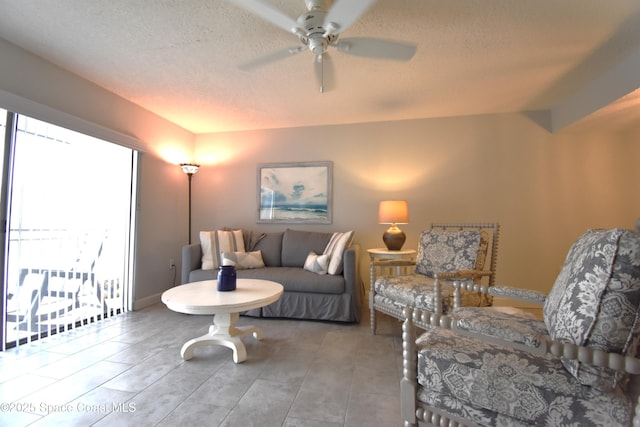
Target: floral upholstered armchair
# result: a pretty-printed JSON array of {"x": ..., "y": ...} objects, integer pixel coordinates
[
  {"x": 446, "y": 252},
  {"x": 579, "y": 366}
]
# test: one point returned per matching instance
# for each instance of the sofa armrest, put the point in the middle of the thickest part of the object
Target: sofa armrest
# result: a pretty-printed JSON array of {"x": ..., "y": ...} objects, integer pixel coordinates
[
  {"x": 351, "y": 277},
  {"x": 191, "y": 260}
]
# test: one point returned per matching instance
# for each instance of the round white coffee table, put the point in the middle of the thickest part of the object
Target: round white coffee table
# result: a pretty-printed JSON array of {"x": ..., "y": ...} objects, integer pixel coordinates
[{"x": 204, "y": 298}]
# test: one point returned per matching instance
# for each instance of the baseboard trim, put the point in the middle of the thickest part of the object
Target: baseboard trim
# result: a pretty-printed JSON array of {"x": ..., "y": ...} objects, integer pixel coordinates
[{"x": 141, "y": 303}]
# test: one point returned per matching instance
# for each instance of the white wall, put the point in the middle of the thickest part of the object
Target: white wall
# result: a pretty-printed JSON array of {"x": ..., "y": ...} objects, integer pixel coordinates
[
  {"x": 544, "y": 189},
  {"x": 162, "y": 227}
]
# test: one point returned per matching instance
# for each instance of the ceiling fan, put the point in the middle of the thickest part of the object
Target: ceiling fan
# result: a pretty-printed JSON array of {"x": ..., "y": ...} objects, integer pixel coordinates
[{"x": 320, "y": 28}]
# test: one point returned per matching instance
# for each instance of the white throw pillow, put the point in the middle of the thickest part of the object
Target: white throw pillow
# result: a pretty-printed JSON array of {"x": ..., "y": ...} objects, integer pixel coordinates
[
  {"x": 243, "y": 260},
  {"x": 317, "y": 263},
  {"x": 338, "y": 243},
  {"x": 216, "y": 242}
]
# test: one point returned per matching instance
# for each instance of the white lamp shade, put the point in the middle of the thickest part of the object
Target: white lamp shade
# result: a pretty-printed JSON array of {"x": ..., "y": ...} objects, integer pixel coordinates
[
  {"x": 189, "y": 168},
  {"x": 393, "y": 212}
]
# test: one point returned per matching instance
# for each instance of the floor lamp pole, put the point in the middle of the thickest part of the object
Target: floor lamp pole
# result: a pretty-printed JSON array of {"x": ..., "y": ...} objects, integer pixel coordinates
[
  {"x": 190, "y": 176},
  {"x": 189, "y": 169}
]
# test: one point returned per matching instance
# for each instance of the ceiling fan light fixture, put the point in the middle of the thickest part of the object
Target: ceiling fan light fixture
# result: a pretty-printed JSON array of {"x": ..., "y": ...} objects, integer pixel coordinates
[{"x": 318, "y": 45}]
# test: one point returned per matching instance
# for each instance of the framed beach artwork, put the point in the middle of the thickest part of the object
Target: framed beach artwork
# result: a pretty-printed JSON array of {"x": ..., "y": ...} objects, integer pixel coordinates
[{"x": 295, "y": 192}]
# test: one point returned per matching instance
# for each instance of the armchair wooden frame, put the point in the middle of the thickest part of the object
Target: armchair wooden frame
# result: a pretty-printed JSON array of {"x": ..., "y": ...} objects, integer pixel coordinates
[{"x": 401, "y": 266}]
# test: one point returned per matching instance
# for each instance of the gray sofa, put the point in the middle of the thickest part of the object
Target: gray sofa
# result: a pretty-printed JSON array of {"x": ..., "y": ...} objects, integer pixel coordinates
[{"x": 307, "y": 295}]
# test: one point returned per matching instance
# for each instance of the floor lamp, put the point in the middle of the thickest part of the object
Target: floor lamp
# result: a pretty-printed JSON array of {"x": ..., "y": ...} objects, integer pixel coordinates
[{"x": 189, "y": 169}]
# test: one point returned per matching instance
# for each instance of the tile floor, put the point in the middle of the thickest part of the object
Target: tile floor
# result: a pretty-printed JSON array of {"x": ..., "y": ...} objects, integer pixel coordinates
[{"x": 128, "y": 371}]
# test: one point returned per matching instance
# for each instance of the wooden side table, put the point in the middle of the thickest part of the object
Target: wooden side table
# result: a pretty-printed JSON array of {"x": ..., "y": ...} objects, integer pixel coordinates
[{"x": 382, "y": 254}]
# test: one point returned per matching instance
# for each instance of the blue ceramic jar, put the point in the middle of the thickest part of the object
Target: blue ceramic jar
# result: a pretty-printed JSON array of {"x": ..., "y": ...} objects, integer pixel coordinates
[{"x": 227, "y": 278}]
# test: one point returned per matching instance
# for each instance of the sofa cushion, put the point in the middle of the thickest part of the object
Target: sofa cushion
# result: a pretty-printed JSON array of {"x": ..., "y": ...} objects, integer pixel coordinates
[
  {"x": 317, "y": 263},
  {"x": 251, "y": 238},
  {"x": 295, "y": 279},
  {"x": 271, "y": 247},
  {"x": 296, "y": 245},
  {"x": 595, "y": 301},
  {"x": 495, "y": 385},
  {"x": 200, "y": 274},
  {"x": 445, "y": 251},
  {"x": 335, "y": 249},
  {"x": 242, "y": 260},
  {"x": 213, "y": 243}
]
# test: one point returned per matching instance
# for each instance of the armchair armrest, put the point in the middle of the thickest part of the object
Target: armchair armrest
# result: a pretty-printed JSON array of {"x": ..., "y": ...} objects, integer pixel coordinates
[
  {"x": 586, "y": 355},
  {"x": 464, "y": 274},
  {"x": 517, "y": 294},
  {"x": 592, "y": 356},
  {"x": 525, "y": 295}
]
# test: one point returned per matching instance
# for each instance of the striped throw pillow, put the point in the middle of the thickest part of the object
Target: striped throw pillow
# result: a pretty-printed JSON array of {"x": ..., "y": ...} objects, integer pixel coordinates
[
  {"x": 215, "y": 242},
  {"x": 335, "y": 249}
]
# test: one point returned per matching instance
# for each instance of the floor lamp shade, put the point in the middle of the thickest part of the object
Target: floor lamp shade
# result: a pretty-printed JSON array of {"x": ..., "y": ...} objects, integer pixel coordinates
[{"x": 393, "y": 212}]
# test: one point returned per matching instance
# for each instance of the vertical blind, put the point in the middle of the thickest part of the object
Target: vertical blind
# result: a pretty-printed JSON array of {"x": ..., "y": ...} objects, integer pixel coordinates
[{"x": 69, "y": 216}]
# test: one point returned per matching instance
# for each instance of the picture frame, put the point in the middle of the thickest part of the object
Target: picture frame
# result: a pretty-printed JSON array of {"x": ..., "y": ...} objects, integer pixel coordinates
[{"x": 295, "y": 193}]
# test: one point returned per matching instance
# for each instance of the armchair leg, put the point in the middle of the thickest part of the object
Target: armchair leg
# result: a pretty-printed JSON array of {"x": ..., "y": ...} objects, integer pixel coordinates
[
  {"x": 373, "y": 321},
  {"x": 372, "y": 281},
  {"x": 409, "y": 383}
]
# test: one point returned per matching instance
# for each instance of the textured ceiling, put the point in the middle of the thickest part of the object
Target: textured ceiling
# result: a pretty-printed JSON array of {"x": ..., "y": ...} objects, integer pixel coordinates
[{"x": 179, "y": 59}]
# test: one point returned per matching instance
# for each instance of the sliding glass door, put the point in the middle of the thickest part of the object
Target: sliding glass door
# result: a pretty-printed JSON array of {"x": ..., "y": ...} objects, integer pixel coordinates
[{"x": 69, "y": 203}]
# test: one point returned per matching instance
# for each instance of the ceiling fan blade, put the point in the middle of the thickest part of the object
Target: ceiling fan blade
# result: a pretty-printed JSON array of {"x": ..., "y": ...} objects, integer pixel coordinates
[
  {"x": 344, "y": 13},
  {"x": 269, "y": 13},
  {"x": 272, "y": 57},
  {"x": 325, "y": 74},
  {"x": 377, "y": 48}
]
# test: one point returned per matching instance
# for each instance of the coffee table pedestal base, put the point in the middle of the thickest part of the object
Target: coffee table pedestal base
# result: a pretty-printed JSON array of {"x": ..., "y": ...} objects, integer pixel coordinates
[{"x": 224, "y": 332}]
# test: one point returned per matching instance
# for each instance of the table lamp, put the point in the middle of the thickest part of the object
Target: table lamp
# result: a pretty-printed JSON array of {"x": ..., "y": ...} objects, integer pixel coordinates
[{"x": 393, "y": 212}]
